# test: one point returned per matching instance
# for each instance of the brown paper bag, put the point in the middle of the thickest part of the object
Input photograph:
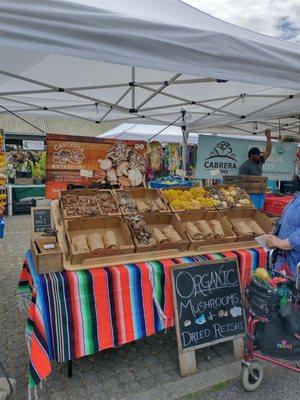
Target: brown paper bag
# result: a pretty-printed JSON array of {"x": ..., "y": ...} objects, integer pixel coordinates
[
  {"x": 205, "y": 229},
  {"x": 160, "y": 204},
  {"x": 159, "y": 236},
  {"x": 243, "y": 229},
  {"x": 141, "y": 206},
  {"x": 217, "y": 228},
  {"x": 171, "y": 234},
  {"x": 80, "y": 244},
  {"x": 256, "y": 228},
  {"x": 110, "y": 240},
  {"x": 95, "y": 241},
  {"x": 193, "y": 231}
]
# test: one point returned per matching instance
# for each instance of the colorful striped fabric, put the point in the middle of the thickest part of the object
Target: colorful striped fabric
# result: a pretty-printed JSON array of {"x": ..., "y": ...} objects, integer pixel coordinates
[{"x": 74, "y": 314}]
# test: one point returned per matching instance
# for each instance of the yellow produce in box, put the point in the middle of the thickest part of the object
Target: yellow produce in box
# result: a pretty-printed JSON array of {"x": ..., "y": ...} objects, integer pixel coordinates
[{"x": 192, "y": 199}]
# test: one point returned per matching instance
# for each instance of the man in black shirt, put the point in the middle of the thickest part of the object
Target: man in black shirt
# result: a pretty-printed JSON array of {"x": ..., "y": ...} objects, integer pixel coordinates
[{"x": 256, "y": 159}]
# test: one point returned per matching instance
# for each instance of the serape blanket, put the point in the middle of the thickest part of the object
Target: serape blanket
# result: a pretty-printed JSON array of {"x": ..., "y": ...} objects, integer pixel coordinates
[{"x": 74, "y": 314}]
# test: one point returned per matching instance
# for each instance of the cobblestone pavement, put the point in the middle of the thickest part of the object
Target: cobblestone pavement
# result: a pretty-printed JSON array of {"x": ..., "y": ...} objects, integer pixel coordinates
[{"x": 127, "y": 372}]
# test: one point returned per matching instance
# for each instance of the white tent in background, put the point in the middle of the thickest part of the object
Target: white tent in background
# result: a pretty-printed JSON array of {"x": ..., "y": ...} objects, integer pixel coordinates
[
  {"x": 172, "y": 134},
  {"x": 141, "y": 62}
]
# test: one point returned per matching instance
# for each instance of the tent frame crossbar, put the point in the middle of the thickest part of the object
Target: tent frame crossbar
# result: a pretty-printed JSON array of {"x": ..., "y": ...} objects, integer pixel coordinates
[{"x": 135, "y": 110}]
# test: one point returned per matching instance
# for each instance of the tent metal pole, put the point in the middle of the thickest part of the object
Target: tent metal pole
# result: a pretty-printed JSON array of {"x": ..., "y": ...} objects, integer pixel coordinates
[
  {"x": 166, "y": 106},
  {"x": 117, "y": 102},
  {"x": 190, "y": 102},
  {"x": 157, "y": 91},
  {"x": 268, "y": 106},
  {"x": 23, "y": 78},
  {"x": 214, "y": 112},
  {"x": 133, "y": 88}
]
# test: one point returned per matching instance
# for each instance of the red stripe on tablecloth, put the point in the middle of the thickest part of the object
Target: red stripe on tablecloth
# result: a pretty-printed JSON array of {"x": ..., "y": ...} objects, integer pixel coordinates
[
  {"x": 38, "y": 353},
  {"x": 168, "y": 306},
  {"x": 148, "y": 303},
  {"x": 122, "y": 298},
  {"x": 102, "y": 307}
]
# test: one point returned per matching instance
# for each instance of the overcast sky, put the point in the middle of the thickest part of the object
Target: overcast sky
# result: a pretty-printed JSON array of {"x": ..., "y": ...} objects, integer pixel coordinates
[{"x": 278, "y": 18}]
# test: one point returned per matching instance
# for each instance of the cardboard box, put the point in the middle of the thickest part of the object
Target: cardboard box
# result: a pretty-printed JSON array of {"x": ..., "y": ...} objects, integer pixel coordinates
[
  {"x": 207, "y": 216},
  {"x": 46, "y": 260},
  {"x": 143, "y": 194},
  {"x": 160, "y": 221},
  {"x": 236, "y": 215},
  {"x": 88, "y": 225}
]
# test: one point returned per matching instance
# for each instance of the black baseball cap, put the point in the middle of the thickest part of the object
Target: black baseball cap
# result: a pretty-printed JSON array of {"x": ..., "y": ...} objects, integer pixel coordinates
[{"x": 254, "y": 151}]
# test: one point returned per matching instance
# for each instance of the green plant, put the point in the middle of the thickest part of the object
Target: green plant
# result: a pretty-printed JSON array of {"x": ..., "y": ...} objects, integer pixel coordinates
[{"x": 38, "y": 168}]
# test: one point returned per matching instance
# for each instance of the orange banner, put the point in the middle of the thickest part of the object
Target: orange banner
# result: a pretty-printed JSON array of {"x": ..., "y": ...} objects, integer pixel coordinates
[{"x": 89, "y": 161}]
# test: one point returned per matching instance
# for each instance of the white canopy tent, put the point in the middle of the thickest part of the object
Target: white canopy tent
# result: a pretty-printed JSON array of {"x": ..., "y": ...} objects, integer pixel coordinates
[
  {"x": 172, "y": 134},
  {"x": 141, "y": 62}
]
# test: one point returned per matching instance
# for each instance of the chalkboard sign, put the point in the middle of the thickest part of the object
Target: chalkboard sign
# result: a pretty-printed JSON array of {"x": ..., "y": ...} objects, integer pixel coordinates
[
  {"x": 208, "y": 305},
  {"x": 41, "y": 219}
]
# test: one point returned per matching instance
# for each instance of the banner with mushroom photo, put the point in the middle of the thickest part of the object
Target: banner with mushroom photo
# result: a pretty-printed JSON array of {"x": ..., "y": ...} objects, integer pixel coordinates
[{"x": 92, "y": 162}]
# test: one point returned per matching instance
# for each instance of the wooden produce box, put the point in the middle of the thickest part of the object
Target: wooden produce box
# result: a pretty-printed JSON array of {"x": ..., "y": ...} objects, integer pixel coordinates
[
  {"x": 183, "y": 189},
  {"x": 88, "y": 225},
  {"x": 245, "y": 195},
  {"x": 246, "y": 215},
  {"x": 46, "y": 260},
  {"x": 230, "y": 236},
  {"x": 145, "y": 195},
  {"x": 95, "y": 193},
  {"x": 160, "y": 221}
]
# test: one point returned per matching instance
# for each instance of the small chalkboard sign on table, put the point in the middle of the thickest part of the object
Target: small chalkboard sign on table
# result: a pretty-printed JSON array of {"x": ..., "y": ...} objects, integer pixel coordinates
[
  {"x": 41, "y": 219},
  {"x": 208, "y": 307}
]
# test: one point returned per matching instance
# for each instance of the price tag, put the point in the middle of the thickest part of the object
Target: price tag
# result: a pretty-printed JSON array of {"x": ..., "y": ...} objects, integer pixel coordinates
[{"x": 86, "y": 173}]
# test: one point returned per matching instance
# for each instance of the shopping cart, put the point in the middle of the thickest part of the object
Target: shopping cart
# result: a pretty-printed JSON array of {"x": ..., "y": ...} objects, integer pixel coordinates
[{"x": 286, "y": 355}]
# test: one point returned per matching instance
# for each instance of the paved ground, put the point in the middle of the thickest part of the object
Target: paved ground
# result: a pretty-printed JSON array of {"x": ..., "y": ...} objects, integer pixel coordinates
[
  {"x": 145, "y": 370},
  {"x": 277, "y": 385},
  {"x": 128, "y": 371}
]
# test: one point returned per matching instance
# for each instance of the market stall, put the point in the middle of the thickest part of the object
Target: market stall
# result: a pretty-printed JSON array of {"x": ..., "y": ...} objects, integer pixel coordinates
[
  {"x": 110, "y": 264},
  {"x": 104, "y": 279}
]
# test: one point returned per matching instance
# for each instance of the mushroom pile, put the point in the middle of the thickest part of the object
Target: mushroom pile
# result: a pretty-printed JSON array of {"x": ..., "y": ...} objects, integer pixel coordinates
[{"x": 123, "y": 165}]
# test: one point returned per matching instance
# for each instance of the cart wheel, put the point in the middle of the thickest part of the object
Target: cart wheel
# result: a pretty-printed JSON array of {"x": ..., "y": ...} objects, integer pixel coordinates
[{"x": 252, "y": 376}]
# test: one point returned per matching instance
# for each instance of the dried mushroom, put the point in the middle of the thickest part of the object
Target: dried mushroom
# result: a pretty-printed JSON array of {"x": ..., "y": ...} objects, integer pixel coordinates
[
  {"x": 139, "y": 229},
  {"x": 127, "y": 203}
]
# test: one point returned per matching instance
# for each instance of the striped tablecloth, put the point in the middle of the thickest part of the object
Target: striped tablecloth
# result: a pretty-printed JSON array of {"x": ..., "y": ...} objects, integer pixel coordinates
[{"x": 74, "y": 314}]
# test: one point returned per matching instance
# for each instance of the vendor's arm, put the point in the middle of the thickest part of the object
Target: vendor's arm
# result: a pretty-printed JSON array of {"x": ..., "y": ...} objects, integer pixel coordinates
[{"x": 268, "y": 148}]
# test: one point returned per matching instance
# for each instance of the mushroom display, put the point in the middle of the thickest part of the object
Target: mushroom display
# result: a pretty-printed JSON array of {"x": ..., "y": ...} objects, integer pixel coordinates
[{"x": 123, "y": 165}]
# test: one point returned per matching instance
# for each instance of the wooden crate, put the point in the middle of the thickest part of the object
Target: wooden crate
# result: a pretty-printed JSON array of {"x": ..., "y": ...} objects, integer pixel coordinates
[
  {"x": 46, "y": 260},
  {"x": 237, "y": 215},
  {"x": 230, "y": 236},
  {"x": 143, "y": 194},
  {"x": 160, "y": 221},
  {"x": 87, "y": 192},
  {"x": 88, "y": 225}
]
